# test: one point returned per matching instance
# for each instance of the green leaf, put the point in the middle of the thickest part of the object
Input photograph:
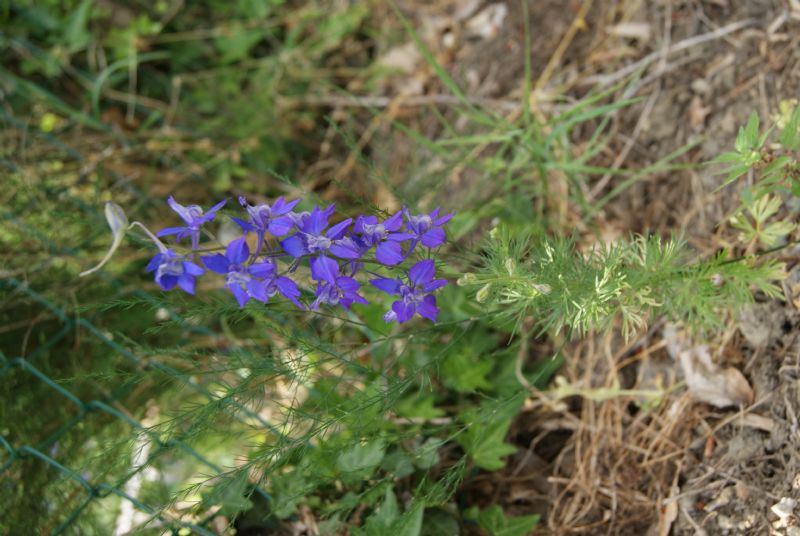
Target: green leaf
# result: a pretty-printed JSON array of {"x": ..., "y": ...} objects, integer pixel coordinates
[
  {"x": 237, "y": 44},
  {"x": 360, "y": 461},
  {"x": 464, "y": 373},
  {"x": 382, "y": 519},
  {"x": 421, "y": 407},
  {"x": 230, "y": 494},
  {"x": 75, "y": 33},
  {"x": 438, "y": 522},
  {"x": 494, "y": 521},
  {"x": 751, "y": 131},
  {"x": 410, "y": 524},
  {"x": 790, "y": 135},
  {"x": 484, "y": 439}
]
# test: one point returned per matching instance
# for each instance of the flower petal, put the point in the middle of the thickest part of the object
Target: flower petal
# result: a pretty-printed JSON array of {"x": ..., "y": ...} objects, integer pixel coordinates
[
  {"x": 262, "y": 269},
  {"x": 422, "y": 272},
  {"x": 435, "y": 284},
  {"x": 338, "y": 230},
  {"x": 192, "y": 269},
  {"x": 427, "y": 308},
  {"x": 444, "y": 219},
  {"x": 324, "y": 269},
  {"x": 155, "y": 262},
  {"x": 433, "y": 237},
  {"x": 294, "y": 246},
  {"x": 216, "y": 263},
  {"x": 245, "y": 225},
  {"x": 394, "y": 222},
  {"x": 182, "y": 211},
  {"x": 239, "y": 293},
  {"x": 345, "y": 249},
  {"x": 389, "y": 286},
  {"x": 215, "y": 208},
  {"x": 167, "y": 282},
  {"x": 389, "y": 253},
  {"x": 316, "y": 222},
  {"x": 404, "y": 311},
  {"x": 280, "y": 226},
  {"x": 288, "y": 288},
  {"x": 170, "y": 231},
  {"x": 400, "y": 237},
  {"x": 237, "y": 251},
  {"x": 186, "y": 282},
  {"x": 284, "y": 208},
  {"x": 256, "y": 289}
]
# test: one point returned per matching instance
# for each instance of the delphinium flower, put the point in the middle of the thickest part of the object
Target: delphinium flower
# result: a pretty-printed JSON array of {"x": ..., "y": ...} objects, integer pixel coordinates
[
  {"x": 194, "y": 217},
  {"x": 313, "y": 239},
  {"x": 336, "y": 255},
  {"x": 415, "y": 294},
  {"x": 258, "y": 280},
  {"x": 174, "y": 270},
  {"x": 264, "y": 217},
  {"x": 426, "y": 228},
  {"x": 274, "y": 283},
  {"x": 383, "y": 236},
  {"x": 335, "y": 289}
]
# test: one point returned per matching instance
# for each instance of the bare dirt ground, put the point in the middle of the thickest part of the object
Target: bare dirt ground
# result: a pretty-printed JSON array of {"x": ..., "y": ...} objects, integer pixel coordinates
[{"x": 669, "y": 464}]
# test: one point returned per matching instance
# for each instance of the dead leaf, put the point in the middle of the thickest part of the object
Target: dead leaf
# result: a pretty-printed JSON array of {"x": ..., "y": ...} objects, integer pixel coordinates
[
  {"x": 487, "y": 23},
  {"x": 697, "y": 113},
  {"x": 631, "y": 30},
  {"x": 402, "y": 58},
  {"x": 708, "y": 382}
]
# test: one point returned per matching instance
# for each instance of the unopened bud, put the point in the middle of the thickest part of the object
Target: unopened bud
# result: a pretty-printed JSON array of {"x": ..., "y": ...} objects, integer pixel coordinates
[
  {"x": 511, "y": 266},
  {"x": 483, "y": 294},
  {"x": 717, "y": 280},
  {"x": 467, "y": 279},
  {"x": 541, "y": 288},
  {"x": 494, "y": 233}
]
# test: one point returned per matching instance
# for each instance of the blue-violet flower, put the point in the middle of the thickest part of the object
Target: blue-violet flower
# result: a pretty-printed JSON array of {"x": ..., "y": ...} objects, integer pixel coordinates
[
  {"x": 415, "y": 296},
  {"x": 194, "y": 217}
]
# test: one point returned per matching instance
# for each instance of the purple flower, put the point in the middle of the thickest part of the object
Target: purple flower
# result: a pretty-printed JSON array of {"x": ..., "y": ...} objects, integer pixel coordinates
[
  {"x": 427, "y": 228},
  {"x": 312, "y": 239},
  {"x": 273, "y": 283},
  {"x": 172, "y": 270},
  {"x": 383, "y": 236},
  {"x": 263, "y": 218},
  {"x": 415, "y": 296},
  {"x": 338, "y": 290},
  {"x": 259, "y": 281},
  {"x": 194, "y": 217}
]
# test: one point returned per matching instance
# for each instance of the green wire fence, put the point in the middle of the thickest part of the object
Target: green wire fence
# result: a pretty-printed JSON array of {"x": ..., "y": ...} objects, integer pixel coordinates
[{"x": 17, "y": 450}]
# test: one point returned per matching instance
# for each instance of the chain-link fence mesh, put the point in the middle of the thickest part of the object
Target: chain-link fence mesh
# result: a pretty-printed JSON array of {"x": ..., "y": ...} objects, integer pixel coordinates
[{"x": 73, "y": 450}]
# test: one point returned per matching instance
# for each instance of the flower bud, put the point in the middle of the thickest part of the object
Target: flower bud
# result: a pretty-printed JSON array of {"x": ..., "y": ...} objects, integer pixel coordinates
[
  {"x": 467, "y": 279},
  {"x": 483, "y": 294},
  {"x": 511, "y": 266}
]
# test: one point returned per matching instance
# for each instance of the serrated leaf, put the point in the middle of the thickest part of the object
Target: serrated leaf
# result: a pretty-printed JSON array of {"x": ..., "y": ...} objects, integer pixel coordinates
[
  {"x": 484, "y": 439},
  {"x": 75, "y": 33},
  {"x": 381, "y": 521},
  {"x": 751, "y": 131},
  {"x": 494, "y": 521},
  {"x": 411, "y": 522},
  {"x": 790, "y": 135},
  {"x": 360, "y": 461}
]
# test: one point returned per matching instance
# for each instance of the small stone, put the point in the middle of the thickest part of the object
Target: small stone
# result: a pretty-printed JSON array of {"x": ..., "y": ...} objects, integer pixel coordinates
[
  {"x": 701, "y": 86},
  {"x": 784, "y": 508}
]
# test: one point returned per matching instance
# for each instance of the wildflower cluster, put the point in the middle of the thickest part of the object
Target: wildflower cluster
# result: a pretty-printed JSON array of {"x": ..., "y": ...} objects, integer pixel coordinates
[{"x": 336, "y": 254}]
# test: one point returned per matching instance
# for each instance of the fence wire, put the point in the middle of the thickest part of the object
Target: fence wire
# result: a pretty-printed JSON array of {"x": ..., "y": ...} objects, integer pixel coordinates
[{"x": 16, "y": 450}]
